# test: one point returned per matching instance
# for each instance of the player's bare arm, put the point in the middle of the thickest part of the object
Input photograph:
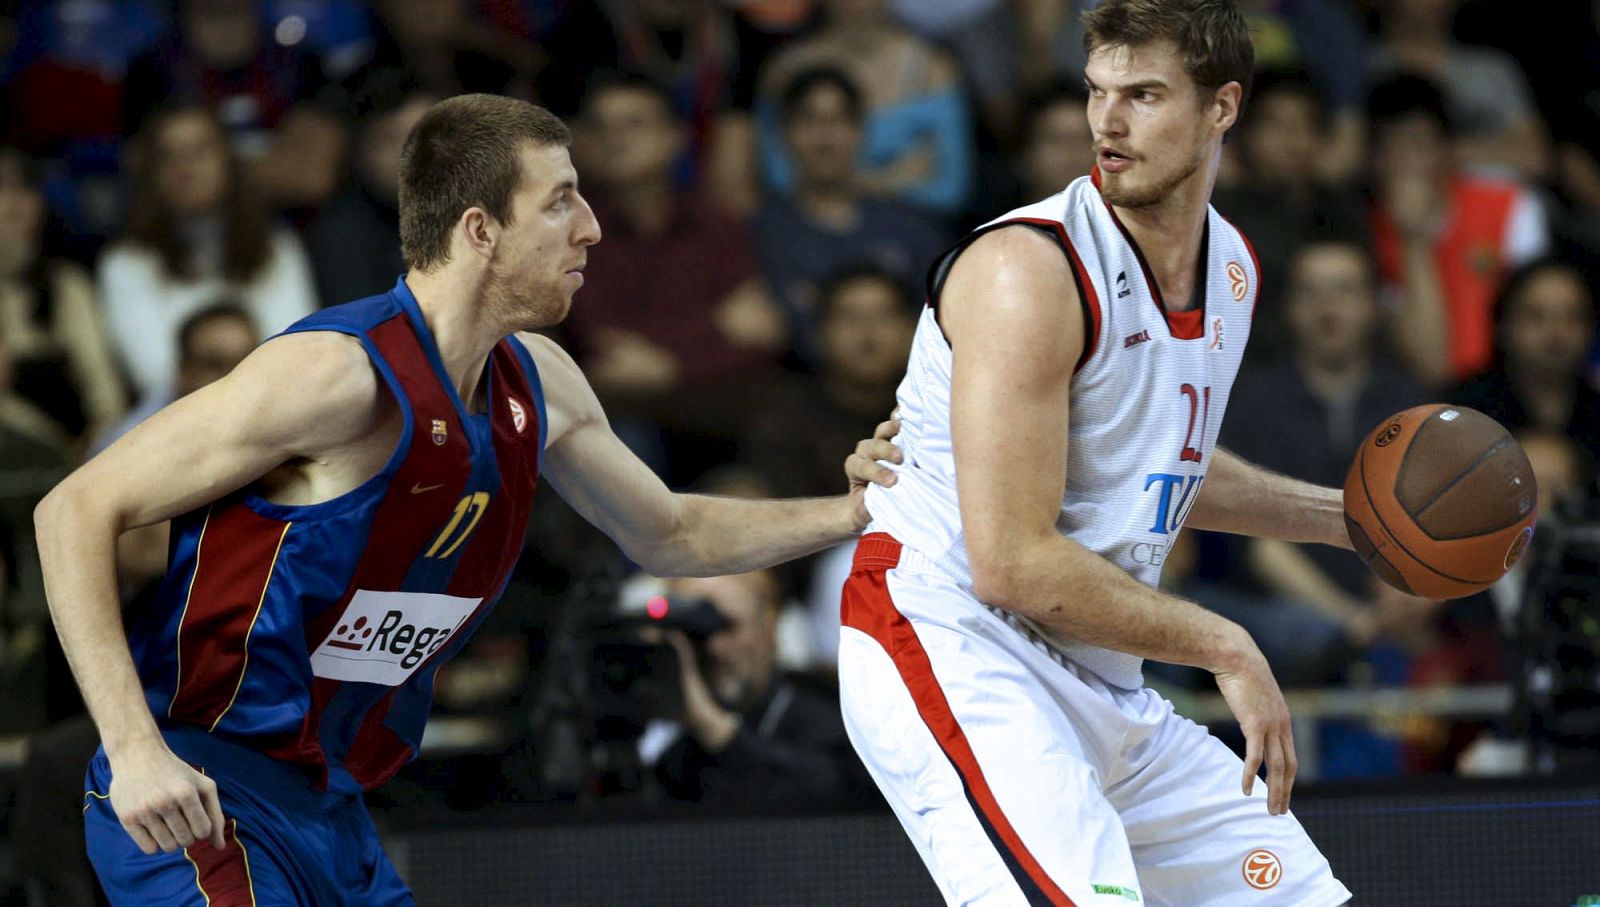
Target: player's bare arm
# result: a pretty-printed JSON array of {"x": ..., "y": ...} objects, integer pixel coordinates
[
  {"x": 1014, "y": 320},
  {"x": 290, "y": 402},
  {"x": 672, "y": 534},
  {"x": 1240, "y": 497}
]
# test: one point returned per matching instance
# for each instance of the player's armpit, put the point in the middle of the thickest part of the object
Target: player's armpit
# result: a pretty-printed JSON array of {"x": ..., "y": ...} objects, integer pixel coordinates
[
  {"x": 301, "y": 395},
  {"x": 1011, "y": 311}
]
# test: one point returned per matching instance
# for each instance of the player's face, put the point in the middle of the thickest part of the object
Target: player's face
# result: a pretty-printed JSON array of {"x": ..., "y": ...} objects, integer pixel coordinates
[
  {"x": 1154, "y": 128},
  {"x": 539, "y": 263}
]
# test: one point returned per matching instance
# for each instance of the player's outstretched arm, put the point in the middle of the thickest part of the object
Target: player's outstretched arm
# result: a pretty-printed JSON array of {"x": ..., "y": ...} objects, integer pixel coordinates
[
  {"x": 1245, "y": 499},
  {"x": 1013, "y": 317},
  {"x": 672, "y": 534},
  {"x": 293, "y": 397}
]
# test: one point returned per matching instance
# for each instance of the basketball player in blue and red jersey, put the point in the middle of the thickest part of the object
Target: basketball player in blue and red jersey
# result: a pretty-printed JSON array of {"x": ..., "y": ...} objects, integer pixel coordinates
[
  {"x": 1069, "y": 378},
  {"x": 347, "y": 505}
]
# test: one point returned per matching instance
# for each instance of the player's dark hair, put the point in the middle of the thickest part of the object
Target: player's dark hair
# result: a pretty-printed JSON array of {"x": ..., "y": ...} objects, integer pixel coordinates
[
  {"x": 810, "y": 80},
  {"x": 465, "y": 153},
  {"x": 1211, "y": 36},
  {"x": 221, "y": 309},
  {"x": 246, "y": 219},
  {"x": 828, "y": 297},
  {"x": 1407, "y": 95}
]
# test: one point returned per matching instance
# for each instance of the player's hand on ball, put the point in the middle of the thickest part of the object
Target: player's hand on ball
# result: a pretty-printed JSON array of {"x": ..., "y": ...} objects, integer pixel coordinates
[
  {"x": 1253, "y": 695},
  {"x": 162, "y": 802}
]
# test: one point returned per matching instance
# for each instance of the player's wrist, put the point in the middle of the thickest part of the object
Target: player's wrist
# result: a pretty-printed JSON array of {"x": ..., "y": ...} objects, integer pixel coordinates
[{"x": 1232, "y": 650}]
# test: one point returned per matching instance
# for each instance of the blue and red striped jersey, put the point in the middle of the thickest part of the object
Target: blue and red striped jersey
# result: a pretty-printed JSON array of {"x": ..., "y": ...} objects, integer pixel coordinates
[{"x": 313, "y": 633}]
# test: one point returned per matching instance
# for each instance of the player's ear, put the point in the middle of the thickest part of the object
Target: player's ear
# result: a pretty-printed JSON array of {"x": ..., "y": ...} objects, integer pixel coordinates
[
  {"x": 1225, "y": 103},
  {"x": 479, "y": 231}
]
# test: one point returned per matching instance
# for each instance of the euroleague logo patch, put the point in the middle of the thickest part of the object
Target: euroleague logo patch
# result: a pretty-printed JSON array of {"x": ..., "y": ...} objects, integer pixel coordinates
[
  {"x": 519, "y": 416},
  {"x": 1389, "y": 434},
  {"x": 1262, "y": 869},
  {"x": 1237, "y": 281}
]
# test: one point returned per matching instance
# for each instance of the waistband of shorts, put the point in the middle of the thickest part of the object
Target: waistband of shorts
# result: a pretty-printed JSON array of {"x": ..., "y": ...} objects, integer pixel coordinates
[
  {"x": 882, "y": 551},
  {"x": 269, "y": 778}
]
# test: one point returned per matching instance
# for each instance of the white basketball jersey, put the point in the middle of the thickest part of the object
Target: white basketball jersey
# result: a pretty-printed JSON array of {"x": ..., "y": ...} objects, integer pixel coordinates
[{"x": 1147, "y": 400}]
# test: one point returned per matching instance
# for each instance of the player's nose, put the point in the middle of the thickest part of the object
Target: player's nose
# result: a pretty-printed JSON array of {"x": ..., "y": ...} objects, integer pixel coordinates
[{"x": 586, "y": 232}]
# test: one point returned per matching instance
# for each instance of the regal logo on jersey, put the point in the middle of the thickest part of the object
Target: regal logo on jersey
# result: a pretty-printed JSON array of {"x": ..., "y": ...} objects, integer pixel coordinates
[{"x": 383, "y": 636}]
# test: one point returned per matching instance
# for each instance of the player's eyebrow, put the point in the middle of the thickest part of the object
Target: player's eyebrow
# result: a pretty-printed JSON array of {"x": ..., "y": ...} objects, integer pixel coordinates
[
  {"x": 1140, "y": 85},
  {"x": 563, "y": 187}
]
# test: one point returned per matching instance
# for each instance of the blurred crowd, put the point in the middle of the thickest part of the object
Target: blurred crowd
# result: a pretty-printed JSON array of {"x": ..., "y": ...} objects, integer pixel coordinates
[{"x": 182, "y": 178}]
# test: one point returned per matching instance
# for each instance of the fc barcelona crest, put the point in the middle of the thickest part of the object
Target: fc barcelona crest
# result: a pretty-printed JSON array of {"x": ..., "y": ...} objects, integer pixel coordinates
[
  {"x": 519, "y": 416},
  {"x": 441, "y": 432}
]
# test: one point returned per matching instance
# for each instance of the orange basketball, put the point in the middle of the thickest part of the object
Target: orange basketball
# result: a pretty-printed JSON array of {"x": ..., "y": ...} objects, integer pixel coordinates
[{"x": 1440, "y": 501}]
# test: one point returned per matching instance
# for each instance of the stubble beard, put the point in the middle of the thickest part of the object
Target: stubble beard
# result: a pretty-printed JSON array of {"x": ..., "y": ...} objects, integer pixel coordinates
[
  {"x": 1115, "y": 190},
  {"x": 515, "y": 304}
]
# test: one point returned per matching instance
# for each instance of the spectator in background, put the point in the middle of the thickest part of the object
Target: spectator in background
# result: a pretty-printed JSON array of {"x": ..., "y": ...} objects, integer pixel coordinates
[
  {"x": 221, "y": 58},
  {"x": 826, "y": 224},
  {"x": 1305, "y": 417},
  {"x": 355, "y": 241},
  {"x": 674, "y": 322},
  {"x": 197, "y": 230},
  {"x": 441, "y": 48},
  {"x": 48, "y": 314},
  {"x": 1279, "y": 200},
  {"x": 750, "y": 737},
  {"x": 1497, "y": 127},
  {"x": 1544, "y": 327},
  {"x": 688, "y": 47},
  {"x": 865, "y": 321},
  {"x": 917, "y": 142},
  {"x": 211, "y": 341},
  {"x": 1057, "y": 144},
  {"x": 1444, "y": 239}
]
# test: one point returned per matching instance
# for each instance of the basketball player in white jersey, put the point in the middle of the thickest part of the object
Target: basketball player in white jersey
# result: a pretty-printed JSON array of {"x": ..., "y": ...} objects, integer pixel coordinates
[{"x": 1069, "y": 377}]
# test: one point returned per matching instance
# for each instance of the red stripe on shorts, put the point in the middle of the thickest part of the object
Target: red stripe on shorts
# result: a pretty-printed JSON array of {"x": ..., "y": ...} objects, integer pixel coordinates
[
  {"x": 223, "y": 875},
  {"x": 867, "y": 606}
]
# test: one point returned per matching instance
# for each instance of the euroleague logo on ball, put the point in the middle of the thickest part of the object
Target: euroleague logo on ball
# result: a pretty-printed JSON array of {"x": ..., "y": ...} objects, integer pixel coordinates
[
  {"x": 1518, "y": 546},
  {"x": 1388, "y": 435},
  {"x": 1262, "y": 869}
]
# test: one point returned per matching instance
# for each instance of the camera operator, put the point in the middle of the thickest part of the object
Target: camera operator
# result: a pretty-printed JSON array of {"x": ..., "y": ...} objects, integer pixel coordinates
[{"x": 750, "y": 737}]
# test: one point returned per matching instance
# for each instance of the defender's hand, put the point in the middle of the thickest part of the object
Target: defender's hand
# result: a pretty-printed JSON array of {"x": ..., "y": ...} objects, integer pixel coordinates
[
  {"x": 1253, "y": 695},
  {"x": 162, "y": 802},
  {"x": 863, "y": 469}
]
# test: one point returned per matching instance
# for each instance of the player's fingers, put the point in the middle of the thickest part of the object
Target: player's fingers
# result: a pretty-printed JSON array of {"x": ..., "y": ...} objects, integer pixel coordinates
[
  {"x": 177, "y": 823},
  {"x": 213, "y": 808},
  {"x": 1277, "y": 784},
  {"x": 887, "y": 429},
  {"x": 880, "y": 450},
  {"x": 147, "y": 844},
  {"x": 195, "y": 819},
  {"x": 157, "y": 829},
  {"x": 1252, "y": 758},
  {"x": 863, "y": 469},
  {"x": 1291, "y": 765}
]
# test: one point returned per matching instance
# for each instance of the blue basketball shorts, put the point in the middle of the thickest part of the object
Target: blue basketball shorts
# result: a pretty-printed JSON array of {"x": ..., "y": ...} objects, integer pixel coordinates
[{"x": 287, "y": 844}]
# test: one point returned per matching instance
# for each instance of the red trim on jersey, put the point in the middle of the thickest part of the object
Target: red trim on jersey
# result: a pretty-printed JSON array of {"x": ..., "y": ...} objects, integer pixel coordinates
[
  {"x": 868, "y": 607},
  {"x": 1080, "y": 274},
  {"x": 233, "y": 564},
  {"x": 405, "y": 522},
  {"x": 1254, "y": 260},
  {"x": 223, "y": 876},
  {"x": 1189, "y": 324}
]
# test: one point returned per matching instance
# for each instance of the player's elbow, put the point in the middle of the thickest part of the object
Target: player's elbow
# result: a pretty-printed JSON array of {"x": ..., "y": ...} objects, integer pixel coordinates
[{"x": 997, "y": 574}]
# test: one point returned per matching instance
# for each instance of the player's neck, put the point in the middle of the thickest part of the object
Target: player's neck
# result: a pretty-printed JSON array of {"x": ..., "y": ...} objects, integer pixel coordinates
[
  {"x": 451, "y": 304},
  {"x": 1169, "y": 233}
]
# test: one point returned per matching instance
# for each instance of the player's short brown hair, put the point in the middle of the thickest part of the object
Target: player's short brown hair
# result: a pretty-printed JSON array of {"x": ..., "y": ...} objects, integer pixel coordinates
[
  {"x": 464, "y": 153},
  {"x": 1211, "y": 35}
]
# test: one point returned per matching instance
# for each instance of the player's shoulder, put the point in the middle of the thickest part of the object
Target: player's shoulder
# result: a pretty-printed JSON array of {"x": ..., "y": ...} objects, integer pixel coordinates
[
  {"x": 569, "y": 400},
  {"x": 1010, "y": 253},
  {"x": 320, "y": 370}
]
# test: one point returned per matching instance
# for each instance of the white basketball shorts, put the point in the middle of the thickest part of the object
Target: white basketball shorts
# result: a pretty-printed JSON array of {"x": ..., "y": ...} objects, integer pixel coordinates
[{"x": 1023, "y": 779}]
